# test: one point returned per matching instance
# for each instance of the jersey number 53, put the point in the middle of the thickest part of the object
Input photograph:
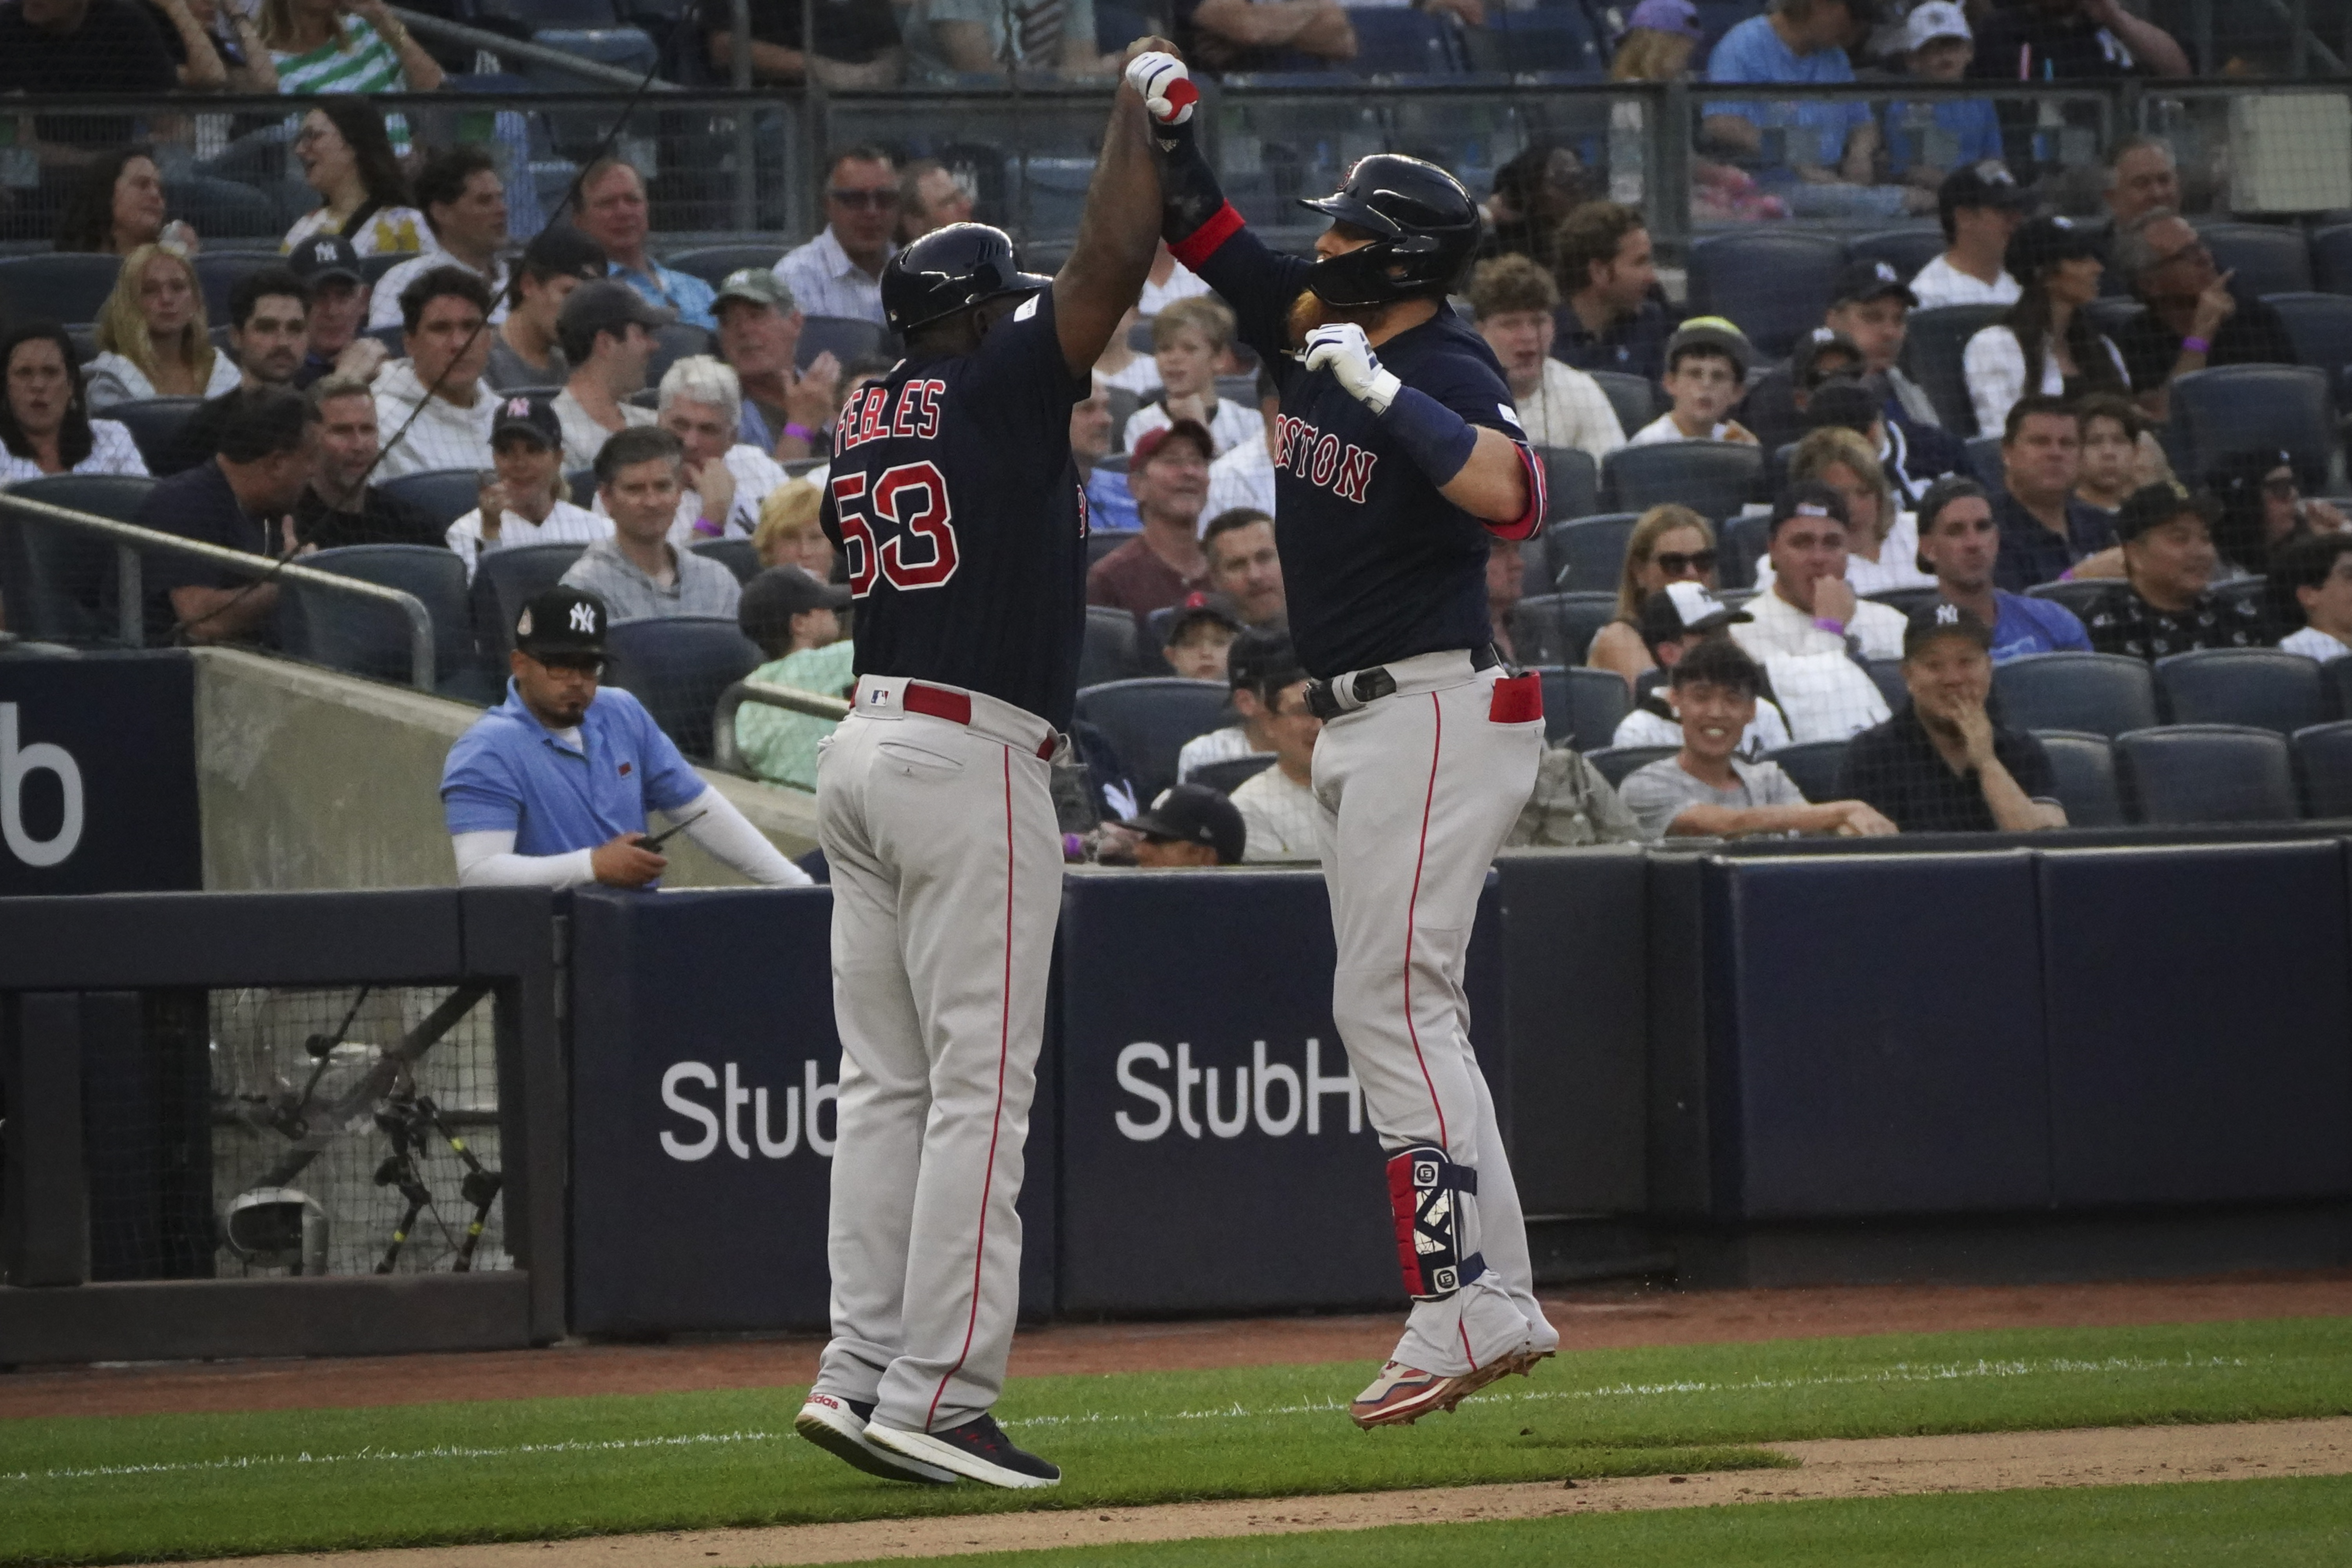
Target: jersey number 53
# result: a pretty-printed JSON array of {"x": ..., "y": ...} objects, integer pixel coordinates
[{"x": 909, "y": 509}]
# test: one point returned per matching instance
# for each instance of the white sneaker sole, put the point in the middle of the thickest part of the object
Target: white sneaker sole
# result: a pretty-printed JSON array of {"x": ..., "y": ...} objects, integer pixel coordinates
[
  {"x": 1446, "y": 1393},
  {"x": 836, "y": 1428},
  {"x": 927, "y": 1450}
]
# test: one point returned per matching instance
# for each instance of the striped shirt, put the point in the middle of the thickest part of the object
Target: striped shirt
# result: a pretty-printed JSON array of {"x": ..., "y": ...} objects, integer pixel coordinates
[
  {"x": 1281, "y": 817},
  {"x": 825, "y": 282},
  {"x": 359, "y": 62},
  {"x": 564, "y": 524},
  {"x": 583, "y": 437},
  {"x": 444, "y": 437},
  {"x": 111, "y": 451},
  {"x": 384, "y": 306}
]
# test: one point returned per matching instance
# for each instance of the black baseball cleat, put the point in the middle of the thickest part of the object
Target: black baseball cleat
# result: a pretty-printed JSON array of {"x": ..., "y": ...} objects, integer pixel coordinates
[
  {"x": 839, "y": 1428},
  {"x": 978, "y": 1449}
]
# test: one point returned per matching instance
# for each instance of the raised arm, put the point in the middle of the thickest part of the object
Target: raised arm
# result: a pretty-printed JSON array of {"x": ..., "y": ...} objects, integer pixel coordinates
[{"x": 1117, "y": 234}]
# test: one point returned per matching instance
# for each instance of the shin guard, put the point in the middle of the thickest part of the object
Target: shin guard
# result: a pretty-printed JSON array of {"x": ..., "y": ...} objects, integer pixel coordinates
[{"x": 1426, "y": 1192}]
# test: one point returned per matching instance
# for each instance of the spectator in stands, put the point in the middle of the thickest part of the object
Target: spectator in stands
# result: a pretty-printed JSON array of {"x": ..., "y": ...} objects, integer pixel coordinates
[
  {"x": 2263, "y": 510},
  {"x": 2070, "y": 39},
  {"x": 152, "y": 339},
  {"x": 1261, "y": 659},
  {"x": 987, "y": 35},
  {"x": 856, "y": 45},
  {"x": 930, "y": 194},
  {"x": 269, "y": 332},
  {"x": 2111, "y": 428},
  {"x": 1613, "y": 317},
  {"x": 2311, "y": 590},
  {"x": 786, "y": 410},
  {"x": 117, "y": 207},
  {"x": 1773, "y": 407},
  {"x": 1245, "y": 567},
  {"x": 1811, "y": 629},
  {"x": 839, "y": 273},
  {"x": 1221, "y": 36},
  {"x": 1959, "y": 542},
  {"x": 1869, "y": 306},
  {"x": 1540, "y": 185},
  {"x": 1121, "y": 368},
  {"x": 1513, "y": 301},
  {"x": 1913, "y": 456},
  {"x": 1190, "y": 825},
  {"x": 1280, "y": 816},
  {"x": 1109, "y": 505},
  {"x": 789, "y": 533},
  {"x": 611, "y": 210},
  {"x": 1656, "y": 47},
  {"x": 239, "y": 500},
  {"x": 525, "y": 807},
  {"x": 465, "y": 204},
  {"x": 2192, "y": 320},
  {"x": 1882, "y": 540},
  {"x": 726, "y": 480},
  {"x": 1705, "y": 790},
  {"x": 1200, "y": 638},
  {"x": 1924, "y": 141},
  {"x": 526, "y": 352},
  {"x": 1188, "y": 340},
  {"x": 1168, "y": 474},
  {"x": 2141, "y": 177},
  {"x": 2045, "y": 532},
  {"x": 1707, "y": 364},
  {"x": 529, "y": 502},
  {"x": 346, "y": 47},
  {"x": 329, "y": 269},
  {"x": 2164, "y": 605},
  {"x": 432, "y": 408},
  {"x": 2045, "y": 343},
  {"x": 637, "y": 572},
  {"x": 796, "y": 620},
  {"x": 1669, "y": 544},
  {"x": 339, "y": 507},
  {"x": 1507, "y": 585},
  {"x": 1243, "y": 475},
  {"x": 1674, "y": 620},
  {"x": 218, "y": 46},
  {"x": 1980, "y": 205},
  {"x": 1941, "y": 765},
  {"x": 45, "y": 423},
  {"x": 348, "y": 158},
  {"x": 81, "y": 48},
  {"x": 1821, "y": 154},
  {"x": 606, "y": 331}
]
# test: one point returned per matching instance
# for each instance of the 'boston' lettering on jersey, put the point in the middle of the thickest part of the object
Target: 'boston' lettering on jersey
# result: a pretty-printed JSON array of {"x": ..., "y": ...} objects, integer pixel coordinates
[
  {"x": 1317, "y": 459},
  {"x": 865, "y": 415}
]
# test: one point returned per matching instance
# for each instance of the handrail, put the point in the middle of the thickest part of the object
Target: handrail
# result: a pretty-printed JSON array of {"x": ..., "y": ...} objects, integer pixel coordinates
[
  {"x": 571, "y": 64},
  {"x": 723, "y": 753},
  {"x": 131, "y": 541}
]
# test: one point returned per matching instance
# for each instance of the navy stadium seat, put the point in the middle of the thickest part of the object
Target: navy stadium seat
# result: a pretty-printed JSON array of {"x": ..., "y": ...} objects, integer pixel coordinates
[
  {"x": 63, "y": 286},
  {"x": 1571, "y": 482},
  {"x": 2320, "y": 325},
  {"x": 1637, "y": 399},
  {"x": 2110, "y": 314},
  {"x": 1587, "y": 555},
  {"x": 1887, "y": 674},
  {"x": 1583, "y": 707},
  {"x": 1553, "y": 40},
  {"x": 1813, "y": 766},
  {"x": 2080, "y": 594},
  {"x": 443, "y": 494},
  {"x": 57, "y": 581},
  {"x": 1908, "y": 601},
  {"x": 1229, "y": 775},
  {"x": 712, "y": 263},
  {"x": 217, "y": 272},
  {"x": 369, "y": 639},
  {"x": 1103, "y": 540},
  {"x": 1741, "y": 543},
  {"x": 2335, "y": 676},
  {"x": 674, "y": 343},
  {"x": 2235, "y": 407},
  {"x": 1108, "y": 651},
  {"x": 736, "y": 554},
  {"x": 1401, "y": 41},
  {"x": 1714, "y": 479},
  {"x": 2331, "y": 258},
  {"x": 1147, "y": 722},
  {"x": 1557, "y": 629},
  {"x": 1932, "y": 342},
  {"x": 506, "y": 580},
  {"x": 1774, "y": 284},
  {"x": 2099, "y": 693},
  {"x": 2259, "y": 686},
  {"x": 153, "y": 423},
  {"x": 2323, "y": 761},
  {"x": 847, "y": 338},
  {"x": 2082, "y": 777},
  {"x": 1905, "y": 250},
  {"x": 2188, "y": 775},
  {"x": 679, "y": 666},
  {"x": 2265, "y": 259},
  {"x": 1615, "y": 762}
]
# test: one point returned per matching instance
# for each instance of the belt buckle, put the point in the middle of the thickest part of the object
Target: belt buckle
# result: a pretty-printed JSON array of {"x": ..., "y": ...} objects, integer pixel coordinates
[
  {"x": 1322, "y": 701},
  {"x": 1371, "y": 685}
]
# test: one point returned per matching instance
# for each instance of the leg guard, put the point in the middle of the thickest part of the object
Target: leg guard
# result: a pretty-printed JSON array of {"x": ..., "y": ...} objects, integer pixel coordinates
[{"x": 1425, "y": 1191}]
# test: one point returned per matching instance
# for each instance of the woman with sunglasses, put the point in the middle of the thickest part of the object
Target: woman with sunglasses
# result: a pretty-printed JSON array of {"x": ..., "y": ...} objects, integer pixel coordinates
[
  {"x": 151, "y": 336},
  {"x": 348, "y": 159},
  {"x": 1882, "y": 543},
  {"x": 45, "y": 425},
  {"x": 2263, "y": 510},
  {"x": 1669, "y": 544}
]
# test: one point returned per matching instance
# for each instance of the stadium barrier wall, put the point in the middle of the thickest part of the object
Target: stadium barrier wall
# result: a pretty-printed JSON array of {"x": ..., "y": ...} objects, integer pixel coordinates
[{"x": 98, "y": 779}]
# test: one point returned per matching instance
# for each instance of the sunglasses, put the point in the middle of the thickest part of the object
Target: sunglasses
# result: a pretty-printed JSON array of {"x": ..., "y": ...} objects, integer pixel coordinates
[
  {"x": 1674, "y": 564},
  {"x": 886, "y": 196}
]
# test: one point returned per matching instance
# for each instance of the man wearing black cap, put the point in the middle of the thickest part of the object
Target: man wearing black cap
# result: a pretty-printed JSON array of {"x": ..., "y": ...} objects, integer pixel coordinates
[
  {"x": 2163, "y": 607},
  {"x": 606, "y": 333},
  {"x": 1940, "y": 766},
  {"x": 1980, "y": 205},
  {"x": 329, "y": 268},
  {"x": 1279, "y": 805},
  {"x": 1260, "y": 658},
  {"x": 1676, "y": 620},
  {"x": 550, "y": 788},
  {"x": 529, "y": 502},
  {"x": 796, "y": 621},
  {"x": 1189, "y": 827}
]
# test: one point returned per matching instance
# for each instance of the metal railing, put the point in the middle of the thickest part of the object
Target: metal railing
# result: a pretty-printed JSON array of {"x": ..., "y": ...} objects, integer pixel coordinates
[
  {"x": 723, "y": 754},
  {"x": 131, "y": 541}
]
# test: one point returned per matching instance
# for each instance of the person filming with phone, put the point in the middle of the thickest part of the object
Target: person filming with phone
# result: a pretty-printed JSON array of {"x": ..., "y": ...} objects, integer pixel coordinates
[{"x": 551, "y": 788}]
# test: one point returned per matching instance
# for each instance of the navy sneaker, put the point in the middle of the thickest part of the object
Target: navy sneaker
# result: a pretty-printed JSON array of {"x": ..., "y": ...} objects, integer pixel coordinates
[
  {"x": 839, "y": 1428},
  {"x": 978, "y": 1449}
]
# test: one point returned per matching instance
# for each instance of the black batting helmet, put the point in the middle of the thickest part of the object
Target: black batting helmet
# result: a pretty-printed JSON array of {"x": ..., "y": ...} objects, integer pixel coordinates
[
  {"x": 1424, "y": 225},
  {"x": 951, "y": 269}
]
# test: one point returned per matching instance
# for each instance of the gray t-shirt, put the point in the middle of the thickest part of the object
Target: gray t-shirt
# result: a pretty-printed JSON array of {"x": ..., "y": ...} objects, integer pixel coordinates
[
  {"x": 508, "y": 370},
  {"x": 701, "y": 587},
  {"x": 1661, "y": 791}
]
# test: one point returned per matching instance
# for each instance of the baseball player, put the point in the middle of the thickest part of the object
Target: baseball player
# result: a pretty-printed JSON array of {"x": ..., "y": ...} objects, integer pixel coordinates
[
  {"x": 1398, "y": 455},
  {"x": 952, "y": 494}
]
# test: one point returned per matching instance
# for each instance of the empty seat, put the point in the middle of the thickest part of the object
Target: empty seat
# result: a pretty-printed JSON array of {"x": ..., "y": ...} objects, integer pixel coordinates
[
  {"x": 672, "y": 343},
  {"x": 847, "y": 338},
  {"x": 2237, "y": 407},
  {"x": 1905, "y": 250},
  {"x": 217, "y": 272},
  {"x": 63, "y": 286},
  {"x": 2186, "y": 774},
  {"x": 154, "y": 424},
  {"x": 736, "y": 554},
  {"x": 1399, "y": 41},
  {"x": 506, "y": 580},
  {"x": 1615, "y": 762},
  {"x": 2099, "y": 693},
  {"x": 1588, "y": 555},
  {"x": 2259, "y": 687},
  {"x": 1932, "y": 342},
  {"x": 1773, "y": 283},
  {"x": 712, "y": 263},
  {"x": 2331, "y": 258},
  {"x": 1887, "y": 674},
  {"x": 1814, "y": 767},
  {"x": 2320, "y": 325},
  {"x": 1229, "y": 775},
  {"x": 59, "y": 582},
  {"x": 678, "y": 666},
  {"x": 1557, "y": 40},
  {"x": 1633, "y": 397},
  {"x": 1108, "y": 651},
  {"x": 1583, "y": 707},
  {"x": 443, "y": 494},
  {"x": 1148, "y": 722},
  {"x": 1741, "y": 543},
  {"x": 1714, "y": 479},
  {"x": 366, "y": 638},
  {"x": 1571, "y": 482},
  {"x": 2083, "y": 776},
  {"x": 2267, "y": 260},
  {"x": 2323, "y": 760},
  {"x": 1557, "y": 629}
]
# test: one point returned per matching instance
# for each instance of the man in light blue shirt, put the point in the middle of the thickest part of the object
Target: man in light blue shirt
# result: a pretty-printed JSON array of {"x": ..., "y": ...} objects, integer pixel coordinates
[
  {"x": 611, "y": 209},
  {"x": 1796, "y": 42},
  {"x": 1960, "y": 541}
]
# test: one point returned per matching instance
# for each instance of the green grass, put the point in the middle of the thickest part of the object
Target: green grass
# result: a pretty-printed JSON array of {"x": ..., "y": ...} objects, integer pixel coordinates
[
  {"x": 114, "y": 1489},
  {"x": 2272, "y": 1523}
]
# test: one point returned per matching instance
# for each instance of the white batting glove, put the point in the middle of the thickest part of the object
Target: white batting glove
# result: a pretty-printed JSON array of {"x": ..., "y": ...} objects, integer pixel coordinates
[
  {"x": 1341, "y": 349},
  {"x": 1165, "y": 85}
]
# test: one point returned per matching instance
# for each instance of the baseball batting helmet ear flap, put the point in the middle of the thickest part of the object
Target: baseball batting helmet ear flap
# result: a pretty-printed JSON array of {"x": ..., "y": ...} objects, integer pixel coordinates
[
  {"x": 951, "y": 269},
  {"x": 1424, "y": 225},
  {"x": 1426, "y": 1192}
]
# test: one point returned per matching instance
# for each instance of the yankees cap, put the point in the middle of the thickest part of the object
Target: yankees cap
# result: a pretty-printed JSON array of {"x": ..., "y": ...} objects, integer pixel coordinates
[
  {"x": 1195, "y": 814},
  {"x": 1867, "y": 280},
  {"x": 324, "y": 256},
  {"x": 561, "y": 621},
  {"x": 533, "y": 417},
  {"x": 1942, "y": 619}
]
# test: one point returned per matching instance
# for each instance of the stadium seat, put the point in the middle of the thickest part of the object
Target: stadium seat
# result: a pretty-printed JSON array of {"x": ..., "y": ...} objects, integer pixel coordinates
[
  {"x": 2266, "y": 259},
  {"x": 1557, "y": 629},
  {"x": 2083, "y": 776},
  {"x": 2323, "y": 762},
  {"x": 367, "y": 639},
  {"x": 217, "y": 272},
  {"x": 2331, "y": 258},
  {"x": 1813, "y": 766},
  {"x": 444, "y": 494},
  {"x": 2080, "y": 594},
  {"x": 1571, "y": 482},
  {"x": 1108, "y": 651},
  {"x": 1906, "y": 249},
  {"x": 1714, "y": 479},
  {"x": 1773, "y": 283},
  {"x": 1103, "y": 540},
  {"x": 1932, "y": 342},
  {"x": 2335, "y": 678},
  {"x": 1587, "y": 555},
  {"x": 1740, "y": 543},
  {"x": 582, "y": 483},
  {"x": 678, "y": 666},
  {"x": 506, "y": 580},
  {"x": 736, "y": 554},
  {"x": 2234, "y": 407},
  {"x": 672, "y": 343},
  {"x": 1984, "y": 456},
  {"x": 153, "y": 422},
  {"x": 2186, "y": 774},
  {"x": 1552, "y": 40},
  {"x": 1147, "y": 722},
  {"x": 1229, "y": 775},
  {"x": 2098, "y": 693},
  {"x": 1613, "y": 763},
  {"x": 1887, "y": 674},
  {"x": 374, "y": 267},
  {"x": 2258, "y": 687},
  {"x": 712, "y": 263},
  {"x": 1582, "y": 707},
  {"x": 1636, "y": 398},
  {"x": 2110, "y": 314},
  {"x": 847, "y": 338},
  {"x": 2320, "y": 326},
  {"x": 63, "y": 286},
  {"x": 1399, "y": 41},
  {"x": 57, "y": 582},
  {"x": 1908, "y": 601}
]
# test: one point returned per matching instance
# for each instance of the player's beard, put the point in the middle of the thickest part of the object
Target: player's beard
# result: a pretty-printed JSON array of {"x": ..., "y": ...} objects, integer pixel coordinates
[{"x": 1309, "y": 311}]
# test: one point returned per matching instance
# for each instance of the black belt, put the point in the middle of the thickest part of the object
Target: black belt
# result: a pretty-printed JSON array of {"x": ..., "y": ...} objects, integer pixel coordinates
[{"x": 1371, "y": 685}]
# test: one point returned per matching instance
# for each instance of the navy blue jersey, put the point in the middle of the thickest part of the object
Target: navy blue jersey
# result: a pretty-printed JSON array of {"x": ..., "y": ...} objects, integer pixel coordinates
[
  {"x": 961, "y": 515},
  {"x": 1377, "y": 565}
]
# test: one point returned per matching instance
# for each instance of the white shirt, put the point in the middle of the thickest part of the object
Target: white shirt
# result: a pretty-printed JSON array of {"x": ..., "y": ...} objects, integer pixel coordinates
[
  {"x": 1243, "y": 476},
  {"x": 756, "y": 474},
  {"x": 1768, "y": 731},
  {"x": 111, "y": 379},
  {"x": 1941, "y": 283},
  {"x": 384, "y": 306},
  {"x": 1995, "y": 366},
  {"x": 111, "y": 451},
  {"x": 1230, "y": 425},
  {"x": 1567, "y": 408},
  {"x": 825, "y": 282},
  {"x": 1663, "y": 429},
  {"x": 1140, "y": 377},
  {"x": 1182, "y": 284},
  {"x": 1281, "y": 817},
  {"x": 444, "y": 437},
  {"x": 565, "y": 524},
  {"x": 583, "y": 437},
  {"x": 1898, "y": 566},
  {"x": 2310, "y": 642},
  {"x": 1780, "y": 627},
  {"x": 1216, "y": 746}
]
